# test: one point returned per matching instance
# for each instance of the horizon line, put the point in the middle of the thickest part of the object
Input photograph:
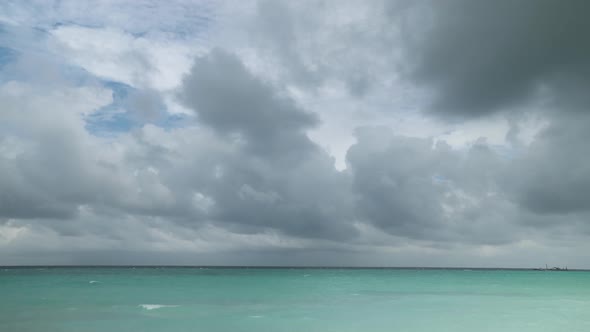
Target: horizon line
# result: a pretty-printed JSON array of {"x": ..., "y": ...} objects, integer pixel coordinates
[{"x": 279, "y": 267}]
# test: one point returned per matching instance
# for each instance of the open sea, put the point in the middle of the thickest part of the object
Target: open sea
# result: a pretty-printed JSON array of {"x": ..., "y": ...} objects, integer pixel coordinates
[{"x": 296, "y": 300}]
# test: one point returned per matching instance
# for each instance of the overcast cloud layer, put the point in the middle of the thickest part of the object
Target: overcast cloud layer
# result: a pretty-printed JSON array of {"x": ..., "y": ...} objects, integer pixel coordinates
[{"x": 395, "y": 133}]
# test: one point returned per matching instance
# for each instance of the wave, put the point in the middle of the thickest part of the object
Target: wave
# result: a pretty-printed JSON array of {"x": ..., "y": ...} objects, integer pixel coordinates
[
  {"x": 157, "y": 306},
  {"x": 93, "y": 282}
]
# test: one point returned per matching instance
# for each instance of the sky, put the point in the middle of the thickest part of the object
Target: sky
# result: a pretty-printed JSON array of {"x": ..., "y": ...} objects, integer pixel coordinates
[{"x": 313, "y": 132}]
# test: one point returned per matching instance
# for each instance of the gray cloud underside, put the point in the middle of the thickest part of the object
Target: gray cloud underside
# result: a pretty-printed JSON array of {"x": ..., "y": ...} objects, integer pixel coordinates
[
  {"x": 526, "y": 56},
  {"x": 484, "y": 56}
]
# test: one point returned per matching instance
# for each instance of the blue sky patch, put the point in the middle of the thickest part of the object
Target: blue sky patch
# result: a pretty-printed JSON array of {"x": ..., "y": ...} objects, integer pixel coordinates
[
  {"x": 122, "y": 114},
  {"x": 7, "y": 55},
  {"x": 113, "y": 118}
]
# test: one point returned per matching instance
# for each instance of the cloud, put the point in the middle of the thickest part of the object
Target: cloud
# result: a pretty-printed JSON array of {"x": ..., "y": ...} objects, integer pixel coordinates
[
  {"x": 233, "y": 102},
  {"x": 244, "y": 176},
  {"x": 177, "y": 17},
  {"x": 350, "y": 44},
  {"x": 146, "y": 105},
  {"x": 415, "y": 188},
  {"x": 143, "y": 61},
  {"x": 268, "y": 179},
  {"x": 553, "y": 175},
  {"x": 192, "y": 176},
  {"x": 394, "y": 182},
  {"x": 43, "y": 169},
  {"x": 52, "y": 167},
  {"x": 481, "y": 57}
]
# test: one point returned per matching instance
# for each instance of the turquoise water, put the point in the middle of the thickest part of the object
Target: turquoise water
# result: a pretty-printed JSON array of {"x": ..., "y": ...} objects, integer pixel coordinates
[{"x": 323, "y": 300}]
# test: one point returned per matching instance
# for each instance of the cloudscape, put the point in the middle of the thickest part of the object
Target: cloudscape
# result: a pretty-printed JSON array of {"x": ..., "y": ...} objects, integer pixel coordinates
[{"x": 320, "y": 132}]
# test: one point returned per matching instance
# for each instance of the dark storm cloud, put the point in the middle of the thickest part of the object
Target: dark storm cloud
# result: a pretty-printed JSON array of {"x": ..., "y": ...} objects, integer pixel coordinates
[
  {"x": 310, "y": 200},
  {"x": 17, "y": 202},
  {"x": 45, "y": 183},
  {"x": 394, "y": 181},
  {"x": 232, "y": 101},
  {"x": 274, "y": 177},
  {"x": 482, "y": 56},
  {"x": 553, "y": 175},
  {"x": 418, "y": 189}
]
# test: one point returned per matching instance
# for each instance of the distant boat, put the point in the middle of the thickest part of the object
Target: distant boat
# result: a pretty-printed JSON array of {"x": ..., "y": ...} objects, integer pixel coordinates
[{"x": 555, "y": 268}]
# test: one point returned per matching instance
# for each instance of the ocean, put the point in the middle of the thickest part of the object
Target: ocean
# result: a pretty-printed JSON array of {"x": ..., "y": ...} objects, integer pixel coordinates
[{"x": 291, "y": 299}]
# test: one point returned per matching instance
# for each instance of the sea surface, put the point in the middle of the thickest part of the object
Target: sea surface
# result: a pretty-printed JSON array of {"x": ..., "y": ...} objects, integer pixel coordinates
[{"x": 275, "y": 300}]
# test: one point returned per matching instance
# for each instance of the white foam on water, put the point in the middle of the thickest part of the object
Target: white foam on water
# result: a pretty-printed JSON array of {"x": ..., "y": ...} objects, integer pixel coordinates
[
  {"x": 255, "y": 316},
  {"x": 157, "y": 306},
  {"x": 93, "y": 282},
  {"x": 306, "y": 275}
]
